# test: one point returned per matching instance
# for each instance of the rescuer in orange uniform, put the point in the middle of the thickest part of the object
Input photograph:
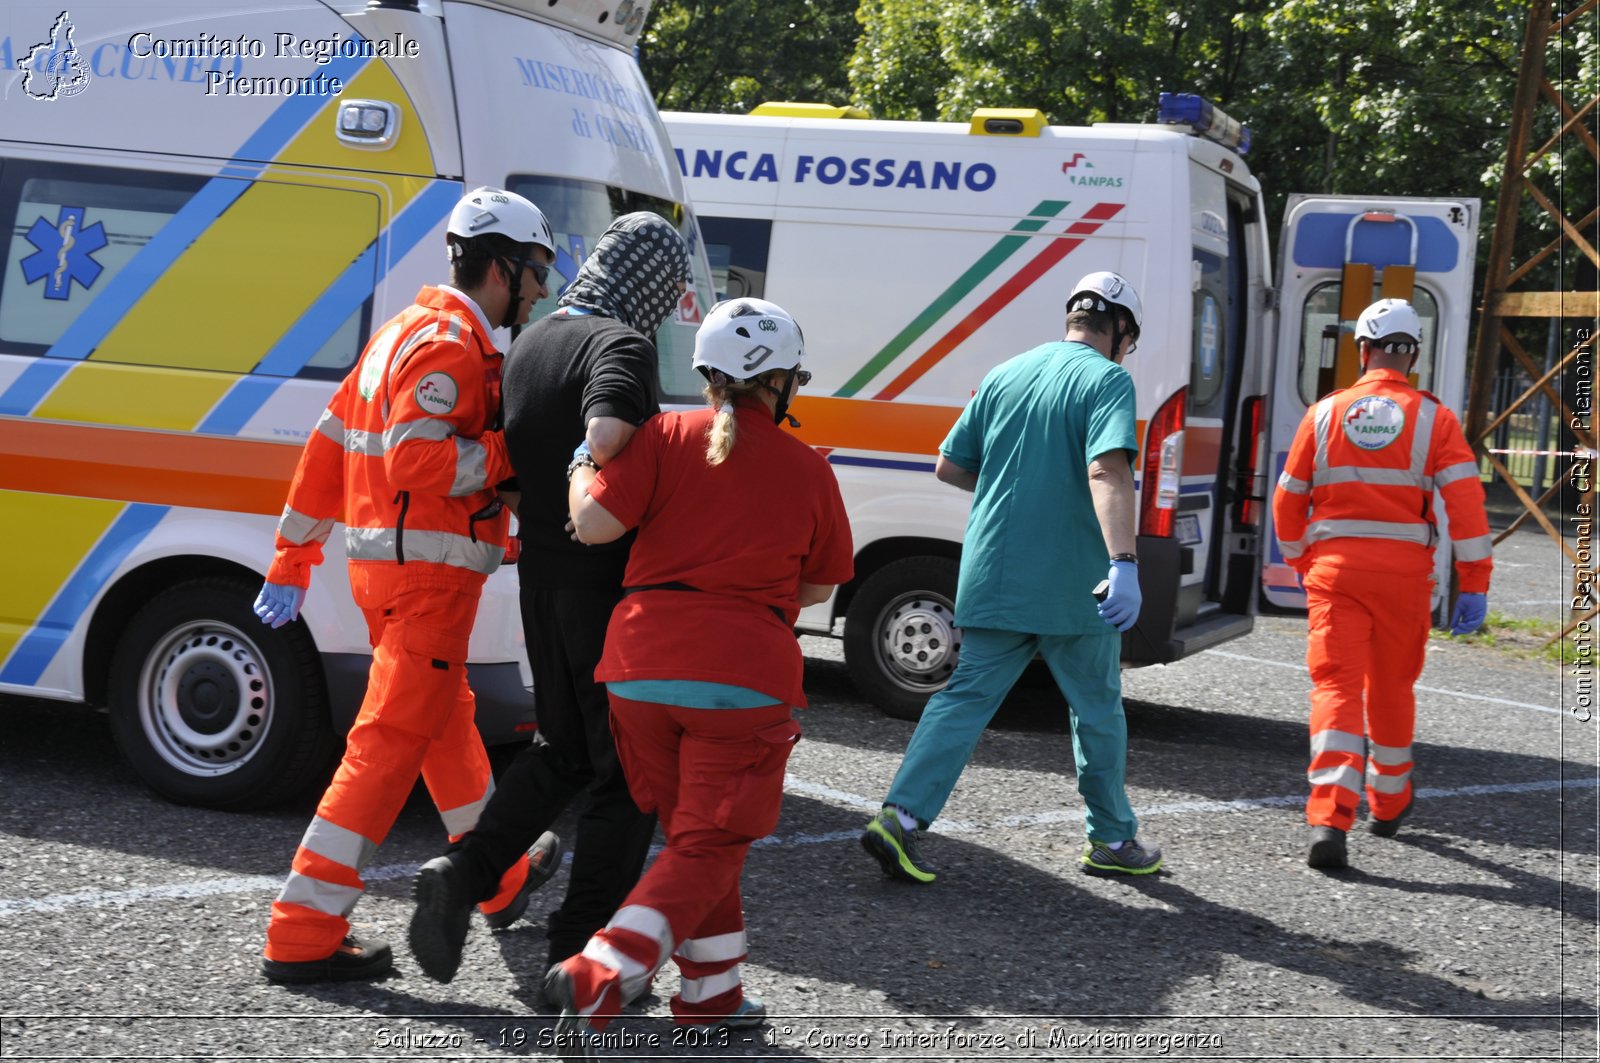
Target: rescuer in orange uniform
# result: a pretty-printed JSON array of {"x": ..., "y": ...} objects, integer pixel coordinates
[
  {"x": 1354, "y": 512},
  {"x": 408, "y": 453}
]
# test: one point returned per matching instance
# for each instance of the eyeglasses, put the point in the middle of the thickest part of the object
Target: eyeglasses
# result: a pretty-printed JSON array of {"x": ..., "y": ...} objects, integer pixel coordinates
[
  {"x": 803, "y": 377},
  {"x": 541, "y": 272}
]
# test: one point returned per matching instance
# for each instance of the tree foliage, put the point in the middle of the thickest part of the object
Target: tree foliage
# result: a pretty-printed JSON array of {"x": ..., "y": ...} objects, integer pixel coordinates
[{"x": 726, "y": 56}]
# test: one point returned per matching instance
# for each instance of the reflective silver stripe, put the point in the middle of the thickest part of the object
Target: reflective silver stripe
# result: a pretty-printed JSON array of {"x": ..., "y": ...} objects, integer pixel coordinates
[
  {"x": 1344, "y": 776},
  {"x": 336, "y": 843},
  {"x": 1365, "y": 474},
  {"x": 325, "y": 897},
  {"x": 1389, "y": 784},
  {"x": 463, "y": 818},
  {"x": 1422, "y": 438},
  {"x": 442, "y": 548},
  {"x": 357, "y": 441},
  {"x": 1292, "y": 550},
  {"x": 1421, "y": 534},
  {"x": 432, "y": 429},
  {"x": 1477, "y": 548},
  {"x": 332, "y": 426},
  {"x": 1337, "y": 742},
  {"x": 301, "y": 529},
  {"x": 1390, "y": 756},
  {"x": 647, "y": 922},
  {"x": 713, "y": 949},
  {"x": 472, "y": 467},
  {"x": 1293, "y": 484},
  {"x": 1465, "y": 470},
  {"x": 694, "y": 990},
  {"x": 1324, "y": 419},
  {"x": 422, "y": 335}
]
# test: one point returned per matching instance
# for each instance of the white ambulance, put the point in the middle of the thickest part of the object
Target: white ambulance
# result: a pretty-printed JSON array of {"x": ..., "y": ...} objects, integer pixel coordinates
[
  {"x": 207, "y": 206},
  {"x": 917, "y": 255}
]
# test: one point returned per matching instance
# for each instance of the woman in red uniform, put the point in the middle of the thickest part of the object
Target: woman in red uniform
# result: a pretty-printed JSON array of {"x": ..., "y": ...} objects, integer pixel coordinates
[{"x": 740, "y": 526}]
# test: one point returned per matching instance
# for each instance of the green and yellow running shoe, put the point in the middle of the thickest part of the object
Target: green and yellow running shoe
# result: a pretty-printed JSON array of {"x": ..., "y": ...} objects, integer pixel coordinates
[
  {"x": 1131, "y": 859},
  {"x": 895, "y": 848}
]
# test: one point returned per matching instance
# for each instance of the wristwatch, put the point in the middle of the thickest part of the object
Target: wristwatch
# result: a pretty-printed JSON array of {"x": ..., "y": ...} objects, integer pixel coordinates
[{"x": 1130, "y": 558}]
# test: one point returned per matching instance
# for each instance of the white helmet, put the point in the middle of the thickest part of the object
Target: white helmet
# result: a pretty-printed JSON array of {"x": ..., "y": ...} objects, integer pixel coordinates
[
  {"x": 742, "y": 338},
  {"x": 1100, "y": 291},
  {"x": 1388, "y": 318},
  {"x": 494, "y": 210}
]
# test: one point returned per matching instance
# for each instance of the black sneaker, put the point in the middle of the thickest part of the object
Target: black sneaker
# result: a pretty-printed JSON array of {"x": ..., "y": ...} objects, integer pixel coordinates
[
  {"x": 439, "y": 923},
  {"x": 544, "y": 860},
  {"x": 1327, "y": 850},
  {"x": 895, "y": 849},
  {"x": 1388, "y": 828},
  {"x": 356, "y": 959}
]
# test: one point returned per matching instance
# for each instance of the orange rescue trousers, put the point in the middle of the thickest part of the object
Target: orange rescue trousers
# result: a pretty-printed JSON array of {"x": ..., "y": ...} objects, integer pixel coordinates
[
  {"x": 1368, "y": 635},
  {"x": 417, "y": 716}
]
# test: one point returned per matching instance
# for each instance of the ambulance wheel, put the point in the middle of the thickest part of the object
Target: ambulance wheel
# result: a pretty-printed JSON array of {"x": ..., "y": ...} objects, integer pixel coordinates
[
  {"x": 213, "y": 708},
  {"x": 900, "y": 638}
]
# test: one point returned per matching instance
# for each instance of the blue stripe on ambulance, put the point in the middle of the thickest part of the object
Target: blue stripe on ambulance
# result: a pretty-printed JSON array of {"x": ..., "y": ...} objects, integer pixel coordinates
[{"x": 36, "y": 649}]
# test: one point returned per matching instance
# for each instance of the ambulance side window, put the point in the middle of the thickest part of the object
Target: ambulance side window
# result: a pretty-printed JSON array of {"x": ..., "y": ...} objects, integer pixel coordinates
[
  {"x": 578, "y": 212},
  {"x": 737, "y": 248},
  {"x": 176, "y": 270},
  {"x": 73, "y": 230},
  {"x": 1319, "y": 337}
]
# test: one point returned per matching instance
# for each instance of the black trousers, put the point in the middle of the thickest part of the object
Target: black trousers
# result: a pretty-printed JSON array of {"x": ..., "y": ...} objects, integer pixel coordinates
[{"x": 572, "y": 751}]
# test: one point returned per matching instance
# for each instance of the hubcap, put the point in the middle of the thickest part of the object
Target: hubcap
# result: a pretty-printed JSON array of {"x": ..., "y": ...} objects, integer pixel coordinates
[
  {"x": 205, "y": 698},
  {"x": 917, "y": 640}
]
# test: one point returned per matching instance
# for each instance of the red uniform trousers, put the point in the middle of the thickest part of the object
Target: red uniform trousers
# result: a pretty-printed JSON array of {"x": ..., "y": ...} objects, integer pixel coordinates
[
  {"x": 715, "y": 779},
  {"x": 417, "y": 716},
  {"x": 1368, "y": 635}
]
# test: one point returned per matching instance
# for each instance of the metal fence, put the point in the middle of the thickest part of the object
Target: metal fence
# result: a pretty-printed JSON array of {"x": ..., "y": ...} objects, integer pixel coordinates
[{"x": 1528, "y": 440}]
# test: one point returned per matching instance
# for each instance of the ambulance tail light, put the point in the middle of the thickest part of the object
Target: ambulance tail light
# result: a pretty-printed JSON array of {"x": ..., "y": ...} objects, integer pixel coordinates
[
  {"x": 1196, "y": 112},
  {"x": 1163, "y": 467},
  {"x": 1250, "y": 460}
]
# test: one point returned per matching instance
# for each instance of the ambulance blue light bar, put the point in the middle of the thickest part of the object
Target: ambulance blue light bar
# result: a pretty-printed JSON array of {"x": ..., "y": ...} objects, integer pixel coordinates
[{"x": 1185, "y": 108}]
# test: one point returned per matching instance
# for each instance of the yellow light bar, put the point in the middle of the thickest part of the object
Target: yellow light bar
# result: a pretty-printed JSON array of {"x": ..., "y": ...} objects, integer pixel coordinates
[
  {"x": 807, "y": 110},
  {"x": 1007, "y": 122}
]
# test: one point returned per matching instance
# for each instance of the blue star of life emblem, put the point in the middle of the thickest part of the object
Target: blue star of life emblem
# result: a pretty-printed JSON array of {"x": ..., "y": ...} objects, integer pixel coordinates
[{"x": 65, "y": 253}]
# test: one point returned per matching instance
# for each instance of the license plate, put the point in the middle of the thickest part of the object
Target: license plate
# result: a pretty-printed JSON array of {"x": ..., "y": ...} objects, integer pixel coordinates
[{"x": 1187, "y": 528}]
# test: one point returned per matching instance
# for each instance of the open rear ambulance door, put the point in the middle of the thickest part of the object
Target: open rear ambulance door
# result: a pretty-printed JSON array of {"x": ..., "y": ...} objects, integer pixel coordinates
[{"x": 1337, "y": 255}]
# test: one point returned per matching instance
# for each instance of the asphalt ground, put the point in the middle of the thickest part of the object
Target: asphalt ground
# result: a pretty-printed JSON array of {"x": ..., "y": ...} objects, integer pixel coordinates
[{"x": 132, "y": 928}]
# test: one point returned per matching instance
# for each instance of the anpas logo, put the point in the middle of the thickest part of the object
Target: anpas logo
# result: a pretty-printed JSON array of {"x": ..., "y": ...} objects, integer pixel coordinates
[
  {"x": 65, "y": 253},
  {"x": 55, "y": 69},
  {"x": 436, "y": 393},
  {"x": 1374, "y": 422},
  {"x": 1077, "y": 176}
]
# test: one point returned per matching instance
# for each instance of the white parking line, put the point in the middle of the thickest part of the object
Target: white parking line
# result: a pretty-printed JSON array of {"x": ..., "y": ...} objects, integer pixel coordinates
[
  {"x": 1431, "y": 690},
  {"x": 61, "y": 902}
]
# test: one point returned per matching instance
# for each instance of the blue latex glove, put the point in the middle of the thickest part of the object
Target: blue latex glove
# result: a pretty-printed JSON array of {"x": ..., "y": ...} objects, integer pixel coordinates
[
  {"x": 1121, "y": 607},
  {"x": 582, "y": 451},
  {"x": 279, "y": 603},
  {"x": 1471, "y": 607}
]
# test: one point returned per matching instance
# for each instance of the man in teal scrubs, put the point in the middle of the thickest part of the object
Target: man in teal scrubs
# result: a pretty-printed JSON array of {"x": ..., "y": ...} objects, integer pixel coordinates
[{"x": 1047, "y": 446}]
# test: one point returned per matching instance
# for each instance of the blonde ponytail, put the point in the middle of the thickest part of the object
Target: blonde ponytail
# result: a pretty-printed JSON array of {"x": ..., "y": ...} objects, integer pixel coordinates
[{"x": 724, "y": 429}]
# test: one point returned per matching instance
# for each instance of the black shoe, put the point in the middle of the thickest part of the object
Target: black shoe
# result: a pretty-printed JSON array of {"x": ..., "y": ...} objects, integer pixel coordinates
[
  {"x": 571, "y": 1036},
  {"x": 544, "y": 860},
  {"x": 1388, "y": 828},
  {"x": 355, "y": 959},
  {"x": 1327, "y": 850},
  {"x": 439, "y": 923}
]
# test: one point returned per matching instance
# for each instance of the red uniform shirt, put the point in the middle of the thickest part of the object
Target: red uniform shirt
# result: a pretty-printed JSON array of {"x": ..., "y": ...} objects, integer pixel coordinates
[{"x": 745, "y": 534}]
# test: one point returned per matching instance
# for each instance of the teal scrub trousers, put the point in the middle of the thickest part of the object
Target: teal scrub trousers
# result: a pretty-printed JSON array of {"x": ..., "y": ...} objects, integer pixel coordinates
[{"x": 1087, "y": 668}]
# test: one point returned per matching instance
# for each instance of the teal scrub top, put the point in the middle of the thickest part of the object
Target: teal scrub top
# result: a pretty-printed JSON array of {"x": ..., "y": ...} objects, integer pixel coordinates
[{"x": 1034, "y": 550}]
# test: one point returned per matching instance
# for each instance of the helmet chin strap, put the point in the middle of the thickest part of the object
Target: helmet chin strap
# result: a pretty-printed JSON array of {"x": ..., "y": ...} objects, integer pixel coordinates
[
  {"x": 513, "y": 268},
  {"x": 780, "y": 412}
]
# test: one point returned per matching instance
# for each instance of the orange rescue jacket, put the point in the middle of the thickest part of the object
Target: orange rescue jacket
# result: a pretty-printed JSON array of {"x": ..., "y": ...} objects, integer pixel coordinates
[
  {"x": 1364, "y": 465},
  {"x": 407, "y": 453}
]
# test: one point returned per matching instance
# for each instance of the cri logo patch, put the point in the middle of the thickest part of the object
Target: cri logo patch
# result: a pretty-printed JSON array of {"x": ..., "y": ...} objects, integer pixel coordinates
[
  {"x": 436, "y": 393},
  {"x": 1374, "y": 422}
]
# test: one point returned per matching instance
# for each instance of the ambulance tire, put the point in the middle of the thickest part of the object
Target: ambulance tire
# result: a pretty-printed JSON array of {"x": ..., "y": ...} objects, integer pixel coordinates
[
  {"x": 900, "y": 640},
  {"x": 213, "y": 708}
]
